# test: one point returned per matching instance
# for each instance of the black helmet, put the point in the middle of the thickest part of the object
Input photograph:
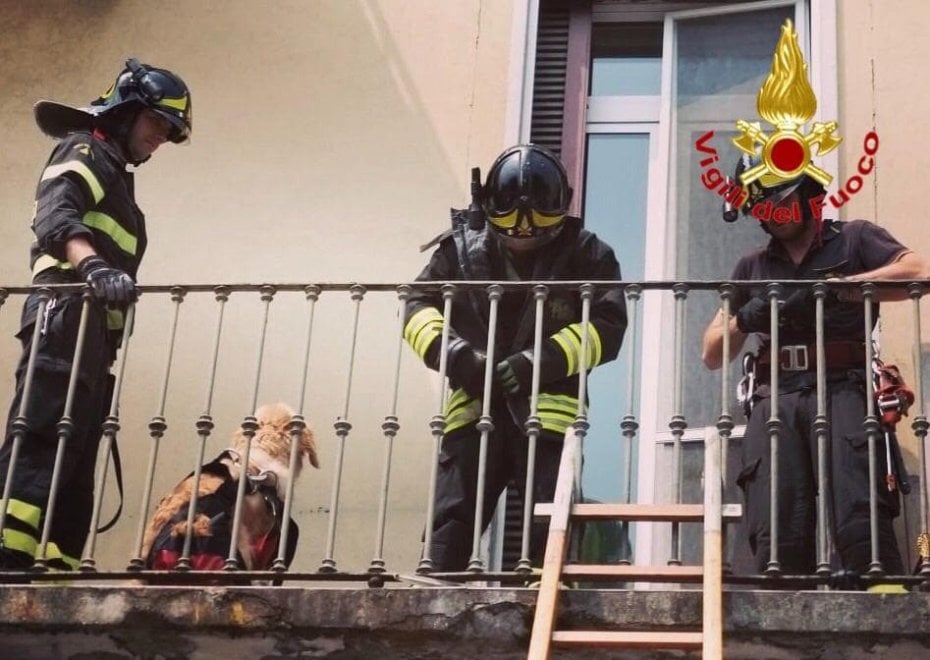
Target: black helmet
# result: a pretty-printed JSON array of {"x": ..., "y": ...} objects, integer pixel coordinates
[
  {"x": 158, "y": 89},
  {"x": 769, "y": 187},
  {"x": 526, "y": 196},
  {"x": 137, "y": 85}
]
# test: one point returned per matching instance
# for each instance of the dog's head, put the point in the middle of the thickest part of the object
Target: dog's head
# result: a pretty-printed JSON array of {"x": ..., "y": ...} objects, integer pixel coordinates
[{"x": 271, "y": 444}]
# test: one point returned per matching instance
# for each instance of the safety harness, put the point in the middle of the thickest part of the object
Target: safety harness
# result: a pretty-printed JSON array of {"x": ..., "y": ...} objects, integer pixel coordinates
[
  {"x": 209, "y": 547},
  {"x": 893, "y": 399}
]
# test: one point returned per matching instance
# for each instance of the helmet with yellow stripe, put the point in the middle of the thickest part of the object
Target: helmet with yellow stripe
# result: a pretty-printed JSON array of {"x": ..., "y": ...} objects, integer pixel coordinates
[
  {"x": 137, "y": 86},
  {"x": 526, "y": 196},
  {"x": 158, "y": 89}
]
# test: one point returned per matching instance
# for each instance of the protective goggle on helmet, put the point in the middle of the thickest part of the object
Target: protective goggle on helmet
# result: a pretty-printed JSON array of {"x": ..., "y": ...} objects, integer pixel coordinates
[
  {"x": 158, "y": 89},
  {"x": 526, "y": 196}
]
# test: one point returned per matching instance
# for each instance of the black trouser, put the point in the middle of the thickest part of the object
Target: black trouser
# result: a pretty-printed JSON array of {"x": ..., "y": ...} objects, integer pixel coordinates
[
  {"x": 847, "y": 474},
  {"x": 33, "y": 470},
  {"x": 457, "y": 485}
]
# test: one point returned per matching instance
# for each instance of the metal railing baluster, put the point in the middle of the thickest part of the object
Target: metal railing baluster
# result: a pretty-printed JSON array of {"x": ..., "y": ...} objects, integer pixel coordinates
[
  {"x": 157, "y": 428},
  {"x": 390, "y": 427},
  {"x": 296, "y": 428},
  {"x": 485, "y": 426},
  {"x": 111, "y": 427},
  {"x": 774, "y": 426},
  {"x": 533, "y": 426},
  {"x": 872, "y": 429},
  {"x": 249, "y": 426},
  {"x": 824, "y": 487},
  {"x": 629, "y": 425},
  {"x": 342, "y": 427},
  {"x": 20, "y": 423},
  {"x": 437, "y": 427},
  {"x": 677, "y": 424},
  {"x": 920, "y": 427},
  {"x": 204, "y": 426},
  {"x": 724, "y": 423},
  {"x": 65, "y": 429}
]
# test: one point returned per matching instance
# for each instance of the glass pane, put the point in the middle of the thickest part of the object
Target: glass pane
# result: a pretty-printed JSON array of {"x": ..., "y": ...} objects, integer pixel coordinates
[
  {"x": 615, "y": 209},
  {"x": 626, "y": 59},
  {"x": 631, "y": 76},
  {"x": 722, "y": 62},
  {"x": 692, "y": 492}
]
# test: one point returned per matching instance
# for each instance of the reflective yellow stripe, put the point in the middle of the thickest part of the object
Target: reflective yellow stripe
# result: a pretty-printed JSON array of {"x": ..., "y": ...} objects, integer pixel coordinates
[
  {"x": 557, "y": 411},
  {"x": 126, "y": 241},
  {"x": 569, "y": 340},
  {"x": 422, "y": 329},
  {"x": 461, "y": 410},
  {"x": 564, "y": 402},
  {"x": 556, "y": 423},
  {"x": 116, "y": 319},
  {"x": 566, "y": 342},
  {"x": 176, "y": 103},
  {"x": 48, "y": 261},
  {"x": 26, "y": 543},
  {"x": 52, "y": 551},
  {"x": 25, "y": 512},
  {"x": 80, "y": 168},
  {"x": 17, "y": 540}
]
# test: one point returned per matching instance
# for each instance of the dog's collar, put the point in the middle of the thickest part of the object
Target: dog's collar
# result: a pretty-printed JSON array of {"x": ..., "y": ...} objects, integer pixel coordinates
[{"x": 264, "y": 479}]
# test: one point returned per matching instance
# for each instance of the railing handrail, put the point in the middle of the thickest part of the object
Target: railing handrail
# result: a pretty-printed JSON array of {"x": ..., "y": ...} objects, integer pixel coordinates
[{"x": 436, "y": 285}]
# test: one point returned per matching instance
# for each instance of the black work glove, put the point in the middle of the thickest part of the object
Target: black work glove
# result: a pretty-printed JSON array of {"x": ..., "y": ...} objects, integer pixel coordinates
[
  {"x": 754, "y": 316},
  {"x": 797, "y": 312},
  {"x": 515, "y": 374},
  {"x": 466, "y": 366},
  {"x": 110, "y": 285}
]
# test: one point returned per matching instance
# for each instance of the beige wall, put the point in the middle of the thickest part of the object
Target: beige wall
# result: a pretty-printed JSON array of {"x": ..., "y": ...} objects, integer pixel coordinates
[
  {"x": 883, "y": 52},
  {"x": 330, "y": 138}
]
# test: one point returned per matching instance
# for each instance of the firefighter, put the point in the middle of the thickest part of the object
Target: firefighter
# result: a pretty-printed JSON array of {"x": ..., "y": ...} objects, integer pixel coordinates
[
  {"x": 804, "y": 246},
  {"x": 519, "y": 232},
  {"x": 87, "y": 229}
]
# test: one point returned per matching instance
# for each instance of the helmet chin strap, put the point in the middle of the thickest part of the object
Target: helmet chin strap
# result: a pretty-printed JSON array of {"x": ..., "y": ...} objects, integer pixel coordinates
[{"x": 117, "y": 127}]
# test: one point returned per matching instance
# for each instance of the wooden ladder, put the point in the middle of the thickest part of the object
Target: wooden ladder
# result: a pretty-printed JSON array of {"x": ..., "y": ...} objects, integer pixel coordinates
[{"x": 564, "y": 510}]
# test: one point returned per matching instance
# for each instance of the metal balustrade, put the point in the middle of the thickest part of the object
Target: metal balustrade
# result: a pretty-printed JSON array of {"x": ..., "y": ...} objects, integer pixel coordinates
[{"x": 295, "y": 303}]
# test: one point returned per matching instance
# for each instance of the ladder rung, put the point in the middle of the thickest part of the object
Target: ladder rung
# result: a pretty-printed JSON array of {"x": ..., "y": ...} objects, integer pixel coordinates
[
  {"x": 633, "y": 573},
  {"x": 630, "y": 640},
  {"x": 642, "y": 512}
]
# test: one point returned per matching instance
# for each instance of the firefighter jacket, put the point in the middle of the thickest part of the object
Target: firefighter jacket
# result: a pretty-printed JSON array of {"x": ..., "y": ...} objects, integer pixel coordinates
[
  {"x": 474, "y": 255},
  {"x": 85, "y": 191}
]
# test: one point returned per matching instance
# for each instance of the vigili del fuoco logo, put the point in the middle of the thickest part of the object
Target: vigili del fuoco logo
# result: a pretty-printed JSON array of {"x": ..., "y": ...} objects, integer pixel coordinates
[{"x": 787, "y": 102}]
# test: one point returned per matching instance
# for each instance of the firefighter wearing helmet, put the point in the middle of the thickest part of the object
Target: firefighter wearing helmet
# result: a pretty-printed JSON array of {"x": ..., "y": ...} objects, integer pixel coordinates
[
  {"x": 803, "y": 245},
  {"x": 517, "y": 228},
  {"x": 771, "y": 190},
  {"x": 88, "y": 229}
]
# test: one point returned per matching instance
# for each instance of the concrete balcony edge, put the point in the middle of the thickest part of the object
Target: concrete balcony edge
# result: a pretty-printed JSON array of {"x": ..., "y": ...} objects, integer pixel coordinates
[{"x": 162, "y": 622}]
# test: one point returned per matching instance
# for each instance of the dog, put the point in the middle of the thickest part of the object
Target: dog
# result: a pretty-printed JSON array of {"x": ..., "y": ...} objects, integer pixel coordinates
[{"x": 261, "y": 517}]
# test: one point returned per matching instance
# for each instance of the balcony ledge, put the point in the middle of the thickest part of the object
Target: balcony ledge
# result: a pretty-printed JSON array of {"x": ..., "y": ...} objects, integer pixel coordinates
[{"x": 161, "y": 622}]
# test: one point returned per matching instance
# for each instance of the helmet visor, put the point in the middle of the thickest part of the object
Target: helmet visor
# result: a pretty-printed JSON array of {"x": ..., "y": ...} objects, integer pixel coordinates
[
  {"x": 537, "y": 219},
  {"x": 533, "y": 182},
  {"x": 546, "y": 191}
]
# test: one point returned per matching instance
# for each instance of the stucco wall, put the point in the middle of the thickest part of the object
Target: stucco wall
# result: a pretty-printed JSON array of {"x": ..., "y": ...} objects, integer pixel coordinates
[
  {"x": 882, "y": 56},
  {"x": 330, "y": 138}
]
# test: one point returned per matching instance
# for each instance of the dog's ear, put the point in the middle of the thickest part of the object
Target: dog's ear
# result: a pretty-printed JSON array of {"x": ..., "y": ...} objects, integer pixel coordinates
[{"x": 308, "y": 447}]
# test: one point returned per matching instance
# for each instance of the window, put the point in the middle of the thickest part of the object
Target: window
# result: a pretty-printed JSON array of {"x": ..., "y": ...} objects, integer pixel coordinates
[{"x": 658, "y": 80}]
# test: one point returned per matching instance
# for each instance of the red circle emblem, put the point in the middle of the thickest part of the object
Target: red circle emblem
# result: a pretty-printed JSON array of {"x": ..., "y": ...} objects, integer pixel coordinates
[{"x": 787, "y": 155}]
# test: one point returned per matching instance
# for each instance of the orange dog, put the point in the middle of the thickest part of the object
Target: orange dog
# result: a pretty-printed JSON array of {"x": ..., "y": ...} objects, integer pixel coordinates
[{"x": 261, "y": 518}]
